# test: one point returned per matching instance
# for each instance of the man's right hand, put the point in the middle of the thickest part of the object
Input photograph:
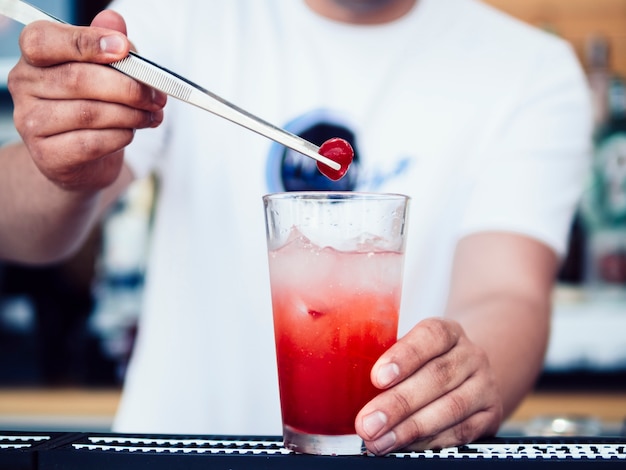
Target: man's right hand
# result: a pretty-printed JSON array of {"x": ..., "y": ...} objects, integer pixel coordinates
[{"x": 74, "y": 115}]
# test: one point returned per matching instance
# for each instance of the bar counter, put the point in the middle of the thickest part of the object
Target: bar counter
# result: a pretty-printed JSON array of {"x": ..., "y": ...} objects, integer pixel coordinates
[{"x": 67, "y": 429}]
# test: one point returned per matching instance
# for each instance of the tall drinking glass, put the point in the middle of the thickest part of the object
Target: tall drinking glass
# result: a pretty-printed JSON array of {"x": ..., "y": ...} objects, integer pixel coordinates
[{"x": 336, "y": 262}]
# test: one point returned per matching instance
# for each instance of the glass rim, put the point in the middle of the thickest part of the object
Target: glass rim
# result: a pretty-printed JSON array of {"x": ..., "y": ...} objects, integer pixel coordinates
[{"x": 336, "y": 195}]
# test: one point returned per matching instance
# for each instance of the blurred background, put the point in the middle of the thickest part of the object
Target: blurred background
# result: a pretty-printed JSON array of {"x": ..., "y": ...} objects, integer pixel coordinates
[{"x": 66, "y": 330}]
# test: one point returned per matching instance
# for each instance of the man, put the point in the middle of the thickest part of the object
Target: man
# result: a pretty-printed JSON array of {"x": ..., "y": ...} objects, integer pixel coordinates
[{"x": 483, "y": 121}]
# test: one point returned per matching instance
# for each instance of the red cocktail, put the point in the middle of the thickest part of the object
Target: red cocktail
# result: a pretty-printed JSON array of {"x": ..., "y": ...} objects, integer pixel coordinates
[{"x": 335, "y": 312}]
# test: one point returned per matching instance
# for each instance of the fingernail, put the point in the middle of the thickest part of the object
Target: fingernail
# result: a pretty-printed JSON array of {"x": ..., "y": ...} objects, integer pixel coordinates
[
  {"x": 112, "y": 44},
  {"x": 387, "y": 374},
  {"x": 374, "y": 422},
  {"x": 158, "y": 98},
  {"x": 385, "y": 444}
]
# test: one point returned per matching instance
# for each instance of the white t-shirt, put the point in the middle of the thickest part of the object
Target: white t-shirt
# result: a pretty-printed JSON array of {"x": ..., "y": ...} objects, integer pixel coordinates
[{"x": 482, "y": 120}]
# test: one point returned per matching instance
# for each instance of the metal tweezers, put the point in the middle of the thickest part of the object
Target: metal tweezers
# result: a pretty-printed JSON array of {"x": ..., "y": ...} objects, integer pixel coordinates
[{"x": 168, "y": 82}]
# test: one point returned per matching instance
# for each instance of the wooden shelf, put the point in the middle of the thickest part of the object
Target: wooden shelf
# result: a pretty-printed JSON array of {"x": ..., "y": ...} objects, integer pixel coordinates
[
  {"x": 603, "y": 406},
  {"x": 576, "y": 21},
  {"x": 41, "y": 406}
]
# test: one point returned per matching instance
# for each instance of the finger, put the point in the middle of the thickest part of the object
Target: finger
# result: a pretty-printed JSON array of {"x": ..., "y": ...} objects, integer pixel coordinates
[
  {"x": 44, "y": 43},
  {"x": 438, "y": 377},
  {"x": 446, "y": 412},
  {"x": 93, "y": 146},
  {"x": 109, "y": 19},
  {"x": 112, "y": 20},
  {"x": 428, "y": 339},
  {"x": 449, "y": 410},
  {"x": 100, "y": 152},
  {"x": 476, "y": 426},
  {"x": 83, "y": 81},
  {"x": 66, "y": 116}
]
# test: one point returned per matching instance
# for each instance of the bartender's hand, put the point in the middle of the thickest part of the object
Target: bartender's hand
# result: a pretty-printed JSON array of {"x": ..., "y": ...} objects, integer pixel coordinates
[
  {"x": 441, "y": 392},
  {"x": 74, "y": 115},
  {"x": 453, "y": 379}
]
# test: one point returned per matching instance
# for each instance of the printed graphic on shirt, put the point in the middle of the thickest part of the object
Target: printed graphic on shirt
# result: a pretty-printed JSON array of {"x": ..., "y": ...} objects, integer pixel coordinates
[{"x": 291, "y": 171}]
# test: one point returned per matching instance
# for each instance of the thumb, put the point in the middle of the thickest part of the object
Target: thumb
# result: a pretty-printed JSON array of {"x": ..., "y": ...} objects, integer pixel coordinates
[
  {"x": 44, "y": 43},
  {"x": 110, "y": 20}
]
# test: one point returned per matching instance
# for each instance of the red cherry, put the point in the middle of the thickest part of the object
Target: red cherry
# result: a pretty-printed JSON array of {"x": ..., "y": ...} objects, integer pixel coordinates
[
  {"x": 340, "y": 151},
  {"x": 315, "y": 313}
]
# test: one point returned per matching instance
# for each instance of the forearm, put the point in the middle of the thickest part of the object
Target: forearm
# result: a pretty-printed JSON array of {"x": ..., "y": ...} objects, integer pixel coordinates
[
  {"x": 39, "y": 221},
  {"x": 501, "y": 295},
  {"x": 514, "y": 334}
]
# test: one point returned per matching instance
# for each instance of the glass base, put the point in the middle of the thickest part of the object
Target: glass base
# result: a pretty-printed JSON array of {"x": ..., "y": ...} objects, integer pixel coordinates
[{"x": 322, "y": 444}]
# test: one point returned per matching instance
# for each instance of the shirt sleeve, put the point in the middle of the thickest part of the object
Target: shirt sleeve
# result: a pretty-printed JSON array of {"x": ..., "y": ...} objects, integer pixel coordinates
[{"x": 534, "y": 167}]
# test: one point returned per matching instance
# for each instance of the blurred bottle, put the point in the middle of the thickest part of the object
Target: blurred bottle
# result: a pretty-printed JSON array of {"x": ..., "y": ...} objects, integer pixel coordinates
[
  {"x": 120, "y": 272},
  {"x": 574, "y": 269},
  {"x": 598, "y": 68},
  {"x": 605, "y": 200}
]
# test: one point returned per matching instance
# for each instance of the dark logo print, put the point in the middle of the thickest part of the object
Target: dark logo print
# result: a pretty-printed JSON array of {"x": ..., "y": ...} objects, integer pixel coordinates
[{"x": 288, "y": 170}]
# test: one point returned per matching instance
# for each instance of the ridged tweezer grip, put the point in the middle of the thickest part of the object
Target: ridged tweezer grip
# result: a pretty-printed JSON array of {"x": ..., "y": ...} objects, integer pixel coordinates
[{"x": 149, "y": 73}]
